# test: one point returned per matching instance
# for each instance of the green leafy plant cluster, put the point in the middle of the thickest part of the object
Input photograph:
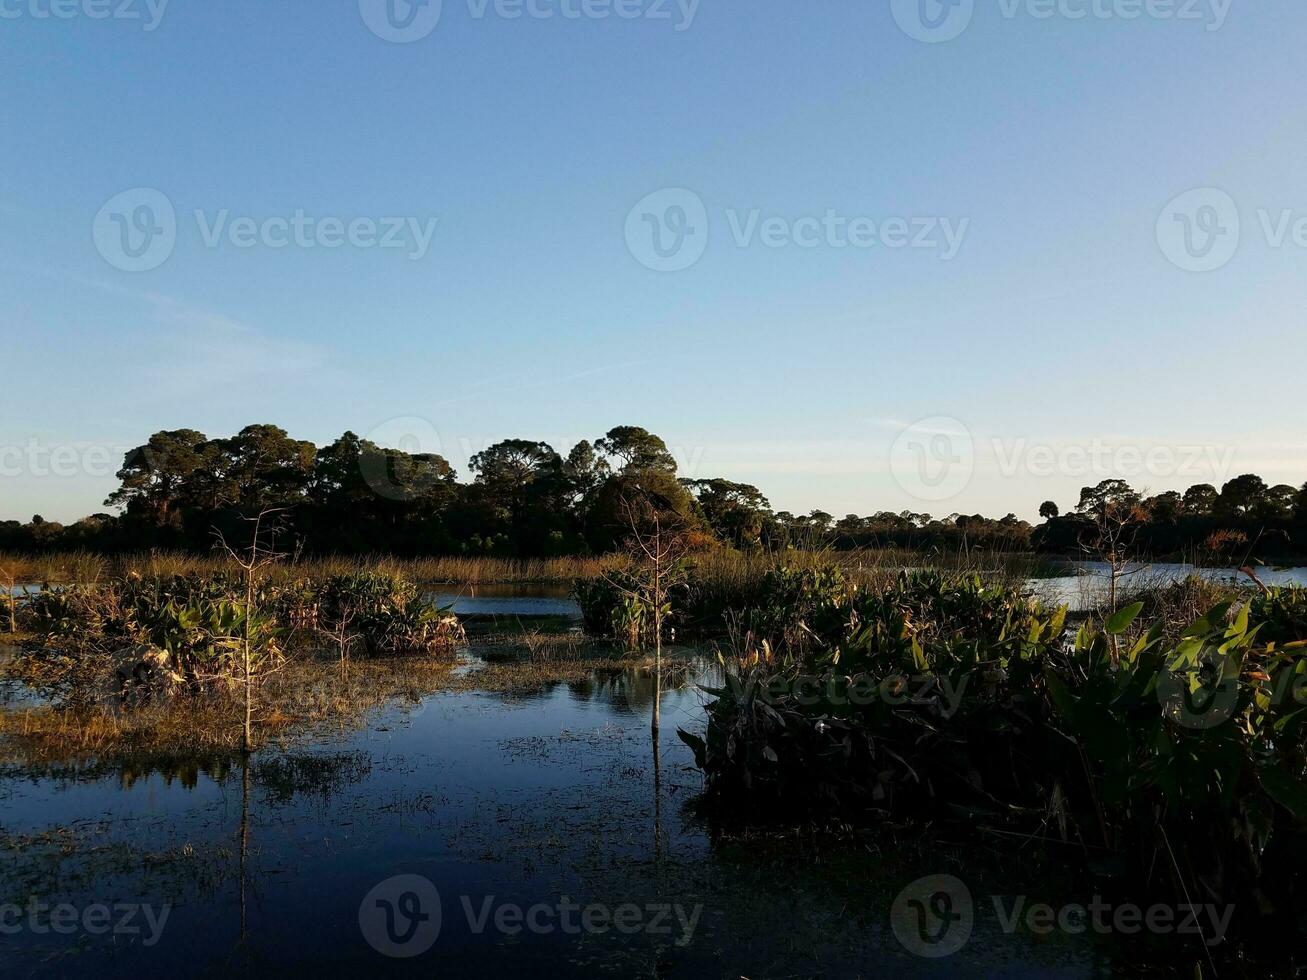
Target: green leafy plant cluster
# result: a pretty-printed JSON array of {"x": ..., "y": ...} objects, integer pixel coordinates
[
  {"x": 198, "y": 619},
  {"x": 792, "y": 608},
  {"x": 619, "y": 605},
  {"x": 1180, "y": 757}
]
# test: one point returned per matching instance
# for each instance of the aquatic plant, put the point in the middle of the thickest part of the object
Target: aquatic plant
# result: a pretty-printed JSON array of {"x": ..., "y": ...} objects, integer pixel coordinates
[
  {"x": 1283, "y": 612},
  {"x": 197, "y": 618},
  {"x": 1181, "y": 758},
  {"x": 791, "y": 608},
  {"x": 614, "y": 606}
]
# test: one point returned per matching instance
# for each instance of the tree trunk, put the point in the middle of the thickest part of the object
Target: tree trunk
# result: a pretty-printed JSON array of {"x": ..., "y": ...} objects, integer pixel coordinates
[
  {"x": 248, "y": 743},
  {"x": 658, "y": 651}
]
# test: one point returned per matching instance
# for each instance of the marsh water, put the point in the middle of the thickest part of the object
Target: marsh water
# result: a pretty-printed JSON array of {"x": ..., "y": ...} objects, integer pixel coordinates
[
  {"x": 1086, "y": 584},
  {"x": 476, "y": 834},
  {"x": 545, "y": 801}
]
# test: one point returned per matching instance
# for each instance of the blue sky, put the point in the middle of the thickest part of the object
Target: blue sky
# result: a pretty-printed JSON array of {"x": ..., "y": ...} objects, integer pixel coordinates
[{"x": 1059, "y": 344}]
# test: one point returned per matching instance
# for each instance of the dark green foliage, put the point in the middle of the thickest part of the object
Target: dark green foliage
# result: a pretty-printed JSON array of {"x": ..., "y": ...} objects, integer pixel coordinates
[
  {"x": 1283, "y": 613},
  {"x": 612, "y": 606},
  {"x": 620, "y": 604},
  {"x": 528, "y": 500},
  {"x": 1182, "y": 756},
  {"x": 199, "y": 620},
  {"x": 1245, "y": 519},
  {"x": 792, "y": 608}
]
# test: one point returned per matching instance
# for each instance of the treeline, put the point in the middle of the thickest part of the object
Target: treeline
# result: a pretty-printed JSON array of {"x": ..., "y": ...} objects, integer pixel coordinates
[
  {"x": 526, "y": 499},
  {"x": 1246, "y": 518}
]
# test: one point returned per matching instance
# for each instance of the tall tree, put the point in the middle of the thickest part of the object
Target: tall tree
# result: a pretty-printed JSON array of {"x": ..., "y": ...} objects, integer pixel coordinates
[
  {"x": 263, "y": 468},
  {"x": 637, "y": 449},
  {"x": 737, "y": 512},
  {"x": 1242, "y": 496},
  {"x": 1200, "y": 500},
  {"x": 156, "y": 477},
  {"x": 1107, "y": 498}
]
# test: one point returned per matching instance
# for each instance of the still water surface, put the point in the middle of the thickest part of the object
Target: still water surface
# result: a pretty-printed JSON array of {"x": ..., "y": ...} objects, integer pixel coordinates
[
  {"x": 497, "y": 802},
  {"x": 500, "y": 803}
]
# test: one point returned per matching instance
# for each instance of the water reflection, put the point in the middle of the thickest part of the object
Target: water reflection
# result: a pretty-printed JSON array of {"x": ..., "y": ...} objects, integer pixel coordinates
[
  {"x": 1089, "y": 583},
  {"x": 631, "y": 691},
  {"x": 566, "y": 792}
]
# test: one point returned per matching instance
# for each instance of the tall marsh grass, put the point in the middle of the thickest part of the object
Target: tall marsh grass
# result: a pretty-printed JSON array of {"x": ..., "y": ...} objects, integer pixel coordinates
[
  {"x": 85, "y": 568},
  {"x": 729, "y": 569}
]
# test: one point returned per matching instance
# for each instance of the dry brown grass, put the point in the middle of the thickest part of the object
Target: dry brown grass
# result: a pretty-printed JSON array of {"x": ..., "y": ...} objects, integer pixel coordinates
[
  {"x": 724, "y": 566},
  {"x": 85, "y": 568}
]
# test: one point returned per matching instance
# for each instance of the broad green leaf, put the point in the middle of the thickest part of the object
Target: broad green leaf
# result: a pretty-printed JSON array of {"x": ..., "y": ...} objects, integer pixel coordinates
[
  {"x": 1290, "y": 793},
  {"x": 1121, "y": 620}
]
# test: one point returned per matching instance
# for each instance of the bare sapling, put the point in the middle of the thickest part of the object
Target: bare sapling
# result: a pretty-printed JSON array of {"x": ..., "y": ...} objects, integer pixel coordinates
[
  {"x": 657, "y": 546},
  {"x": 1112, "y": 542},
  {"x": 251, "y": 561}
]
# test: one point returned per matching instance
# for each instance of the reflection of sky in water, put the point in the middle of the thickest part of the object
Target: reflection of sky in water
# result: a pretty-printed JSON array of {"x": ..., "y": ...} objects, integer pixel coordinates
[
  {"x": 1092, "y": 584},
  {"x": 523, "y": 798},
  {"x": 465, "y": 604}
]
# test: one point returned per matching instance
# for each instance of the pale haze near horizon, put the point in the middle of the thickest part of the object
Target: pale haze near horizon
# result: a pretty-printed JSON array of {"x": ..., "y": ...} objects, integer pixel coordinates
[{"x": 1060, "y": 345}]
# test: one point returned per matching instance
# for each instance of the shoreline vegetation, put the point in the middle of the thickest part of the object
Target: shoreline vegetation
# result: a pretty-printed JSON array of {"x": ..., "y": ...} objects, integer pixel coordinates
[
  {"x": 1161, "y": 735},
  {"x": 524, "y": 500},
  {"x": 86, "y": 567}
]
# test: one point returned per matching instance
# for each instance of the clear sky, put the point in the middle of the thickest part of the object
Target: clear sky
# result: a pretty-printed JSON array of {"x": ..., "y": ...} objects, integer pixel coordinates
[{"x": 1055, "y": 339}]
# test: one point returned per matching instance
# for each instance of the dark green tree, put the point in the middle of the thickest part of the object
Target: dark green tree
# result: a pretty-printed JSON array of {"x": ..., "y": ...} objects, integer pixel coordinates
[{"x": 636, "y": 449}]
